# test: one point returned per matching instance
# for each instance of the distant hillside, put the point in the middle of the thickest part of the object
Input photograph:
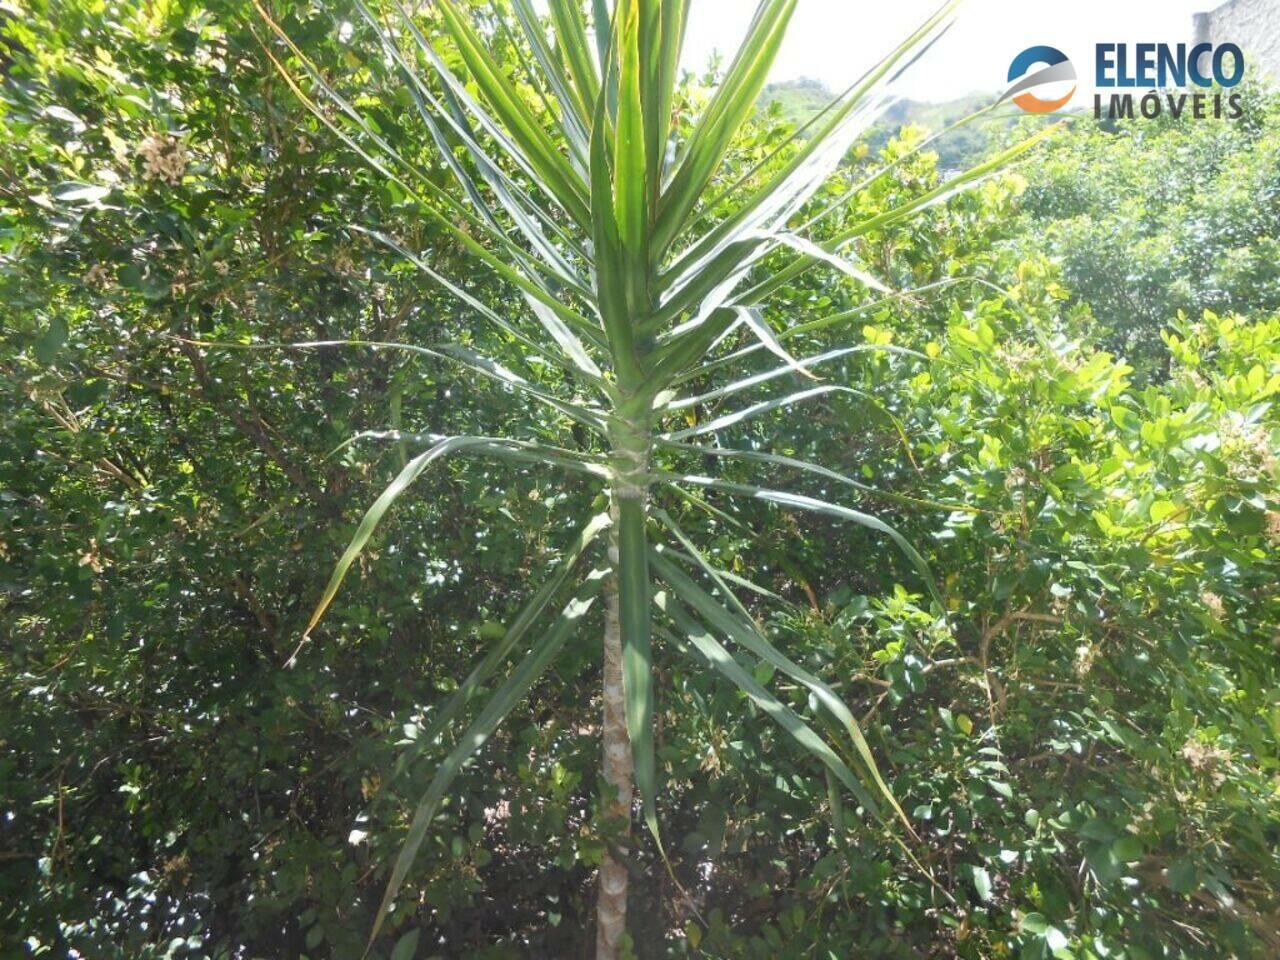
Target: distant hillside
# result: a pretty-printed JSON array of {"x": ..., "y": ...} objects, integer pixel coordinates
[{"x": 797, "y": 101}]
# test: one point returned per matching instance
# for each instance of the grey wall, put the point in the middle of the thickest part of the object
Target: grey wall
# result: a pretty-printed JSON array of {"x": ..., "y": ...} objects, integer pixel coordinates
[{"x": 1254, "y": 25}]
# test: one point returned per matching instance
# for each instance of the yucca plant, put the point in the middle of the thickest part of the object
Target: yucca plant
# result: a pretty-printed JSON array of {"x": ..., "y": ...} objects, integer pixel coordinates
[{"x": 579, "y": 189}]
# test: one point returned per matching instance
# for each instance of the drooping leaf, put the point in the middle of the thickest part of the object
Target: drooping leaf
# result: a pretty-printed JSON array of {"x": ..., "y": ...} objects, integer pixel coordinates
[
  {"x": 720, "y": 659},
  {"x": 515, "y": 633},
  {"x": 742, "y": 630},
  {"x": 801, "y": 502},
  {"x": 496, "y": 708}
]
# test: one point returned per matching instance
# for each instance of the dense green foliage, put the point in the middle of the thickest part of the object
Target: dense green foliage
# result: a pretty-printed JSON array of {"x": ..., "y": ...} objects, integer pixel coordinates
[
  {"x": 1087, "y": 748},
  {"x": 1155, "y": 218}
]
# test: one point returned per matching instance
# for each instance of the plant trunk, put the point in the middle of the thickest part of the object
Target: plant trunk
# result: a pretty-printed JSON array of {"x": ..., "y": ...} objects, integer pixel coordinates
[
  {"x": 611, "y": 909},
  {"x": 631, "y": 443}
]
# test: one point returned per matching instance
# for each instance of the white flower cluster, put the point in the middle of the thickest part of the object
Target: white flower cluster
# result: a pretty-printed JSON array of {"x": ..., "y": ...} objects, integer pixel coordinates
[
  {"x": 1016, "y": 355},
  {"x": 163, "y": 158},
  {"x": 92, "y": 558},
  {"x": 1086, "y": 655},
  {"x": 1246, "y": 448},
  {"x": 1206, "y": 758},
  {"x": 98, "y": 277}
]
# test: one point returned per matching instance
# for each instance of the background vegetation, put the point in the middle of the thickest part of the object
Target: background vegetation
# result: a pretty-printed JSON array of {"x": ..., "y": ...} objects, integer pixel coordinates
[
  {"x": 1089, "y": 753},
  {"x": 799, "y": 101}
]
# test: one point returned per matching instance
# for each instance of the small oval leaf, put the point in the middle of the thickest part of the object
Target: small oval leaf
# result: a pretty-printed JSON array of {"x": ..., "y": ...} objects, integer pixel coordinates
[{"x": 406, "y": 946}]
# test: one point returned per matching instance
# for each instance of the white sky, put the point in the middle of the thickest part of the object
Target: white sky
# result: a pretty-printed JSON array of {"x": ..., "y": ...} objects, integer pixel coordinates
[{"x": 836, "y": 40}]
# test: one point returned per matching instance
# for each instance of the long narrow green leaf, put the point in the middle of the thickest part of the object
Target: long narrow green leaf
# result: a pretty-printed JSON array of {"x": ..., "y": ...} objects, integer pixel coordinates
[
  {"x": 564, "y": 337},
  {"x": 506, "y": 271},
  {"x": 690, "y": 348},
  {"x": 349, "y": 110},
  {"x": 764, "y": 406},
  {"x": 528, "y": 216},
  {"x": 755, "y": 321},
  {"x": 584, "y": 415},
  {"x": 574, "y": 361},
  {"x": 569, "y": 242},
  {"x": 812, "y": 326},
  {"x": 631, "y": 185},
  {"x": 519, "y": 626},
  {"x": 420, "y": 95},
  {"x": 433, "y": 193},
  {"x": 718, "y": 576},
  {"x": 457, "y": 90},
  {"x": 637, "y": 647},
  {"x": 884, "y": 170},
  {"x": 798, "y": 501},
  {"x": 571, "y": 40},
  {"x": 521, "y": 679},
  {"x": 806, "y": 363},
  {"x": 707, "y": 292},
  {"x": 712, "y": 510},
  {"x": 731, "y": 104},
  {"x": 709, "y": 285},
  {"x": 519, "y": 122},
  {"x": 805, "y": 172},
  {"x": 939, "y": 194},
  {"x": 541, "y": 82},
  {"x": 742, "y": 630},
  {"x": 499, "y": 448},
  {"x": 457, "y": 103},
  {"x": 374, "y": 514},
  {"x": 726, "y": 270},
  {"x": 811, "y": 249},
  {"x": 756, "y": 236},
  {"x": 727, "y": 575},
  {"x": 463, "y": 356},
  {"x": 720, "y": 659},
  {"x": 780, "y": 403},
  {"x": 530, "y": 77},
  {"x": 611, "y": 263},
  {"x": 575, "y": 113},
  {"x": 601, "y": 18},
  {"x": 805, "y": 466},
  {"x": 662, "y": 24},
  {"x": 735, "y": 188},
  {"x": 822, "y": 323},
  {"x": 944, "y": 191}
]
